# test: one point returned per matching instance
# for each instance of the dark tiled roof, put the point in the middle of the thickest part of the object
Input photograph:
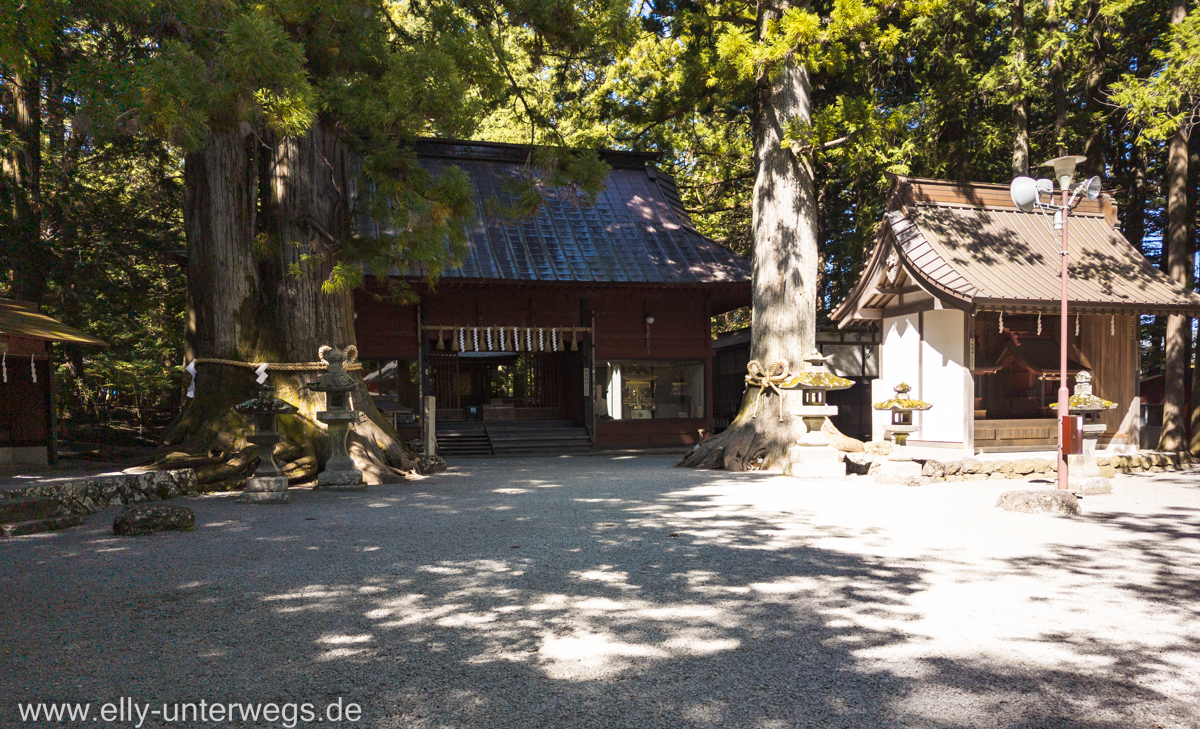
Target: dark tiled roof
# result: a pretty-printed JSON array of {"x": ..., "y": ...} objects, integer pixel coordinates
[{"x": 637, "y": 232}]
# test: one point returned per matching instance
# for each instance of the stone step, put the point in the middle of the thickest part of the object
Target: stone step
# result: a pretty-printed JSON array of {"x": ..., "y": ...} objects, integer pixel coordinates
[
  {"x": 38, "y": 526},
  {"x": 27, "y": 509},
  {"x": 471, "y": 443}
]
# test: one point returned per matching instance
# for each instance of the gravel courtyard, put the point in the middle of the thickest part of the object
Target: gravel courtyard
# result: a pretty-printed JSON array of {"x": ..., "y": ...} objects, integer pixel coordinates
[{"x": 619, "y": 592}]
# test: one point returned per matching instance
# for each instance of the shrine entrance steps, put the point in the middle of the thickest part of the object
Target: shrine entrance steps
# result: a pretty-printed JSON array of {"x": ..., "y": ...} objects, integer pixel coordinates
[
  {"x": 512, "y": 438},
  {"x": 463, "y": 439}
]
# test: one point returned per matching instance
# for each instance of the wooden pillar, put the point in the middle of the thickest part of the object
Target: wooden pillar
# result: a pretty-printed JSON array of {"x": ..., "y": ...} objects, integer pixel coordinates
[
  {"x": 429, "y": 425},
  {"x": 589, "y": 370},
  {"x": 426, "y": 385},
  {"x": 969, "y": 383},
  {"x": 51, "y": 420}
]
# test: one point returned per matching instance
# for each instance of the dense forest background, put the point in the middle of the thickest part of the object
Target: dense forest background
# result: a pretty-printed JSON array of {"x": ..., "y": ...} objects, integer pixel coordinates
[{"x": 102, "y": 101}]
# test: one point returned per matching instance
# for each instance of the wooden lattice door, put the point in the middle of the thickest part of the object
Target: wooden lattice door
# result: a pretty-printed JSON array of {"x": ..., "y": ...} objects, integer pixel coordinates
[{"x": 444, "y": 372}]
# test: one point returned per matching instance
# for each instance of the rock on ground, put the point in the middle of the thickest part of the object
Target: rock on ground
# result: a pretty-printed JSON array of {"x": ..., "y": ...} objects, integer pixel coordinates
[
  {"x": 1039, "y": 501},
  {"x": 427, "y": 465},
  {"x": 156, "y": 517}
]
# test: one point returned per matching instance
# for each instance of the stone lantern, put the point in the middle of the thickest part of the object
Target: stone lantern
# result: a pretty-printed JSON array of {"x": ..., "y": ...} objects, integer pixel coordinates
[
  {"x": 340, "y": 473},
  {"x": 813, "y": 455},
  {"x": 902, "y": 408},
  {"x": 899, "y": 467},
  {"x": 268, "y": 485},
  {"x": 1083, "y": 472}
]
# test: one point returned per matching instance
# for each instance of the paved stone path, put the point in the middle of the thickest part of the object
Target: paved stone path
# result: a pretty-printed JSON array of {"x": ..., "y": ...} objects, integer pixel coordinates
[{"x": 617, "y": 591}]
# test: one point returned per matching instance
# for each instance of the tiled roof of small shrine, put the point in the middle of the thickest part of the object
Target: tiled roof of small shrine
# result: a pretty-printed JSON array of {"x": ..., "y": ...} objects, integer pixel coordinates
[
  {"x": 968, "y": 246},
  {"x": 636, "y": 232}
]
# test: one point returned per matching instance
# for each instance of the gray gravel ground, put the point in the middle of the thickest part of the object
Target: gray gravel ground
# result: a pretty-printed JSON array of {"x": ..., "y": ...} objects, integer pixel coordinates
[{"x": 617, "y": 591}]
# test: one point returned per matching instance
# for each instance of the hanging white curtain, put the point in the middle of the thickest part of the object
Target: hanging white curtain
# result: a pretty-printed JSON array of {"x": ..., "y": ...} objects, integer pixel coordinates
[{"x": 614, "y": 391}]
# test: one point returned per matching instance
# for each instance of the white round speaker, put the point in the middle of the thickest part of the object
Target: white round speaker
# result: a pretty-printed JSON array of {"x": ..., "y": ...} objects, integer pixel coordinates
[
  {"x": 1024, "y": 192},
  {"x": 1092, "y": 188}
]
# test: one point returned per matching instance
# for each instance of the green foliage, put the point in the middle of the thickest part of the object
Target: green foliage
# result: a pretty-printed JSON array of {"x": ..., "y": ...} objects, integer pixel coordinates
[
  {"x": 1169, "y": 98},
  {"x": 921, "y": 88},
  {"x": 250, "y": 72}
]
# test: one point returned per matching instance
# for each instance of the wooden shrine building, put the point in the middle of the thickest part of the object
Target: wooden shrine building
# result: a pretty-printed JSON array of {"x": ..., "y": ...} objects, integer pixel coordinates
[
  {"x": 597, "y": 315},
  {"x": 27, "y": 425},
  {"x": 967, "y": 289}
]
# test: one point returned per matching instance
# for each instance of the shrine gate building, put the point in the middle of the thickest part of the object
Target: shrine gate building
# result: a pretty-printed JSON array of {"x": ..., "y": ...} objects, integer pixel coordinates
[{"x": 595, "y": 317}]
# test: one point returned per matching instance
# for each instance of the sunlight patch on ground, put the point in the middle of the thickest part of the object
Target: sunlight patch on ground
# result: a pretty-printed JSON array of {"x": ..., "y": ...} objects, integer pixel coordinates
[
  {"x": 336, "y": 653},
  {"x": 340, "y": 639},
  {"x": 309, "y": 593},
  {"x": 583, "y": 656},
  {"x": 602, "y": 573}
]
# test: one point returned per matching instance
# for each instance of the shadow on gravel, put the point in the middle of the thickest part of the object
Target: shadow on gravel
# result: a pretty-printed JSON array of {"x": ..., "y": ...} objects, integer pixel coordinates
[
  {"x": 628, "y": 599},
  {"x": 1159, "y": 553}
]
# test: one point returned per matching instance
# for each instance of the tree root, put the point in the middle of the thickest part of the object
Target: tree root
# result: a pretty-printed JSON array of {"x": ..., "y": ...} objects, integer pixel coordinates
[
  {"x": 210, "y": 437},
  {"x": 750, "y": 444}
]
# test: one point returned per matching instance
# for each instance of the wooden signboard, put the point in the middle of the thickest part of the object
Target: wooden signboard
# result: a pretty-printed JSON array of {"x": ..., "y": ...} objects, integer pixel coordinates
[{"x": 1072, "y": 435}]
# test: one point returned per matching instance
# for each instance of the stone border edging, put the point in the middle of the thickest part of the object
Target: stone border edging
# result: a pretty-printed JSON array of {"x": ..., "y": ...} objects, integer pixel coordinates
[
  {"x": 976, "y": 469},
  {"x": 90, "y": 494}
]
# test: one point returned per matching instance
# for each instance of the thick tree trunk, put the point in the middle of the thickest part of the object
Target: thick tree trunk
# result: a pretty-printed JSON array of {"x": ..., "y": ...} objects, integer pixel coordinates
[
  {"x": 784, "y": 277},
  {"x": 23, "y": 170},
  {"x": 1020, "y": 107},
  {"x": 1193, "y": 207},
  {"x": 1175, "y": 251},
  {"x": 1095, "y": 149},
  {"x": 307, "y": 211},
  {"x": 1058, "y": 83},
  {"x": 219, "y": 211},
  {"x": 253, "y": 298},
  {"x": 1134, "y": 224}
]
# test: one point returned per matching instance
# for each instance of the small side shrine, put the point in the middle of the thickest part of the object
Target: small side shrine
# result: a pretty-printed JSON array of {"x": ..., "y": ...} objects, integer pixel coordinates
[
  {"x": 967, "y": 292},
  {"x": 27, "y": 424}
]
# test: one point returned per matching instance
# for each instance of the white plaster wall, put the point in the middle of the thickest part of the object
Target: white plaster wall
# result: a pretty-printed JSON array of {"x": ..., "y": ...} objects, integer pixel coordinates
[
  {"x": 899, "y": 357},
  {"x": 844, "y": 360},
  {"x": 943, "y": 381}
]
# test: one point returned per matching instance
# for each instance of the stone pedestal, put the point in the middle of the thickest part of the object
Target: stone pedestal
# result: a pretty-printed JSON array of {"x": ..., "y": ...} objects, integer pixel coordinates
[
  {"x": 899, "y": 468},
  {"x": 266, "y": 490},
  {"x": 814, "y": 456},
  {"x": 899, "y": 433},
  {"x": 268, "y": 485},
  {"x": 340, "y": 473},
  {"x": 1083, "y": 472}
]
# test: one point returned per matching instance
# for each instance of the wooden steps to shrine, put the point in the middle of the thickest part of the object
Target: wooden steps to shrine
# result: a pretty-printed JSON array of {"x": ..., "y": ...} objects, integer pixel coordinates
[
  {"x": 463, "y": 440},
  {"x": 538, "y": 438},
  {"x": 515, "y": 438}
]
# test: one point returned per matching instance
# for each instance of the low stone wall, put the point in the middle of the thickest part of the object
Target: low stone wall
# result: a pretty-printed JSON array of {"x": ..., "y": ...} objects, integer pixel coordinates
[
  {"x": 89, "y": 495},
  {"x": 978, "y": 469},
  {"x": 974, "y": 469}
]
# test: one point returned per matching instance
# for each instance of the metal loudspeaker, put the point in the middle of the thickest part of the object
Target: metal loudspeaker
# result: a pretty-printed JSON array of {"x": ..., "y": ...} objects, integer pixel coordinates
[
  {"x": 1091, "y": 188},
  {"x": 1024, "y": 192}
]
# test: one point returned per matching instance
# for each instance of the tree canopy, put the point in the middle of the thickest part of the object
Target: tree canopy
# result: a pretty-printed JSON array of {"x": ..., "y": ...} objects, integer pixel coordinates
[{"x": 103, "y": 101}]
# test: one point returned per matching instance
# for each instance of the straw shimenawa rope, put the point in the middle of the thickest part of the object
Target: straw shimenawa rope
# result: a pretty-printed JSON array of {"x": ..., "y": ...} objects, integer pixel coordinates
[
  {"x": 276, "y": 366},
  {"x": 767, "y": 379}
]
